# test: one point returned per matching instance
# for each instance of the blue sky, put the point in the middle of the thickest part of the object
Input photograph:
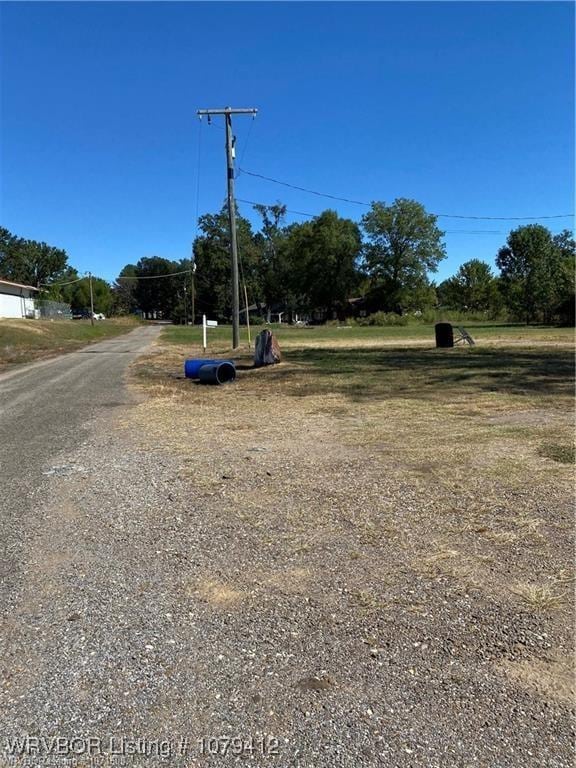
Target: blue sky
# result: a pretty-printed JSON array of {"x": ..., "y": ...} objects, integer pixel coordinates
[{"x": 466, "y": 107}]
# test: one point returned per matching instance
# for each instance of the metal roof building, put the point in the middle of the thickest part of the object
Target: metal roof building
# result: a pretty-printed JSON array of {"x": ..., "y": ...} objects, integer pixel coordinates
[{"x": 17, "y": 300}]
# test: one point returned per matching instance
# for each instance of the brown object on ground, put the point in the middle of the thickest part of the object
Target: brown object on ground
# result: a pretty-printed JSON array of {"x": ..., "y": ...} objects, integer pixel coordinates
[{"x": 266, "y": 349}]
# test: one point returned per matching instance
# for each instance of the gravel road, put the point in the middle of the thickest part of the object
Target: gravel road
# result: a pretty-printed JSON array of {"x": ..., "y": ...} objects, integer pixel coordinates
[
  {"x": 46, "y": 412},
  {"x": 127, "y": 636}
]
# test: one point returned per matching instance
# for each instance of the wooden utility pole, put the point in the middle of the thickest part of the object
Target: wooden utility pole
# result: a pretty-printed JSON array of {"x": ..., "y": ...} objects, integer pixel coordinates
[
  {"x": 228, "y": 112},
  {"x": 193, "y": 273},
  {"x": 91, "y": 299}
]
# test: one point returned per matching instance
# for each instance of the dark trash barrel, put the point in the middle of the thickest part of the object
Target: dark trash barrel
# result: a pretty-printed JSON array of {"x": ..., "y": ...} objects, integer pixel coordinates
[
  {"x": 217, "y": 373},
  {"x": 444, "y": 335},
  {"x": 191, "y": 367}
]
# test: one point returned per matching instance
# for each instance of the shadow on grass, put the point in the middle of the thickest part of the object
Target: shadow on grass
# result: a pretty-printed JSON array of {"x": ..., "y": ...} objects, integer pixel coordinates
[{"x": 429, "y": 374}]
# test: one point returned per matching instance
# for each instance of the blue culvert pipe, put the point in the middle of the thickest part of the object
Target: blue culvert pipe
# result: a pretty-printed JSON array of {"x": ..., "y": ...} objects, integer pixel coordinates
[
  {"x": 191, "y": 367},
  {"x": 217, "y": 373}
]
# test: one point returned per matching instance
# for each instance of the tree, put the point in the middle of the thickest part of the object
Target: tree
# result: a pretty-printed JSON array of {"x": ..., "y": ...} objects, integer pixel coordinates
[
  {"x": 156, "y": 290},
  {"x": 28, "y": 261},
  {"x": 403, "y": 246},
  {"x": 323, "y": 255},
  {"x": 565, "y": 310},
  {"x": 273, "y": 265},
  {"x": 124, "y": 301},
  {"x": 473, "y": 288},
  {"x": 213, "y": 269},
  {"x": 532, "y": 267},
  {"x": 78, "y": 295}
]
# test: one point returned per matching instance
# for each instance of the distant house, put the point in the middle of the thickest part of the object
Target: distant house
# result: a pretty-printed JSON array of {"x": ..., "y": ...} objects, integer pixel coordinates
[{"x": 17, "y": 300}]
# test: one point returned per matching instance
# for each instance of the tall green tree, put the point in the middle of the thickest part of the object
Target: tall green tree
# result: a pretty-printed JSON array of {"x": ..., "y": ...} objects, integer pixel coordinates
[
  {"x": 78, "y": 295},
  {"x": 323, "y": 256},
  {"x": 565, "y": 309},
  {"x": 403, "y": 245},
  {"x": 28, "y": 261},
  {"x": 124, "y": 301},
  {"x": 532, "y": 266},
  {"x": 156, "y": 289},
  {"x": 213, "y": 268},
  {"x": 274, "y": 270},
  {"x": 473, "y": 288}
]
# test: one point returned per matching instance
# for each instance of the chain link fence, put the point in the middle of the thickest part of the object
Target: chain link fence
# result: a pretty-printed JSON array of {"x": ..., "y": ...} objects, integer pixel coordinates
[{"x": 53, "y": 310}]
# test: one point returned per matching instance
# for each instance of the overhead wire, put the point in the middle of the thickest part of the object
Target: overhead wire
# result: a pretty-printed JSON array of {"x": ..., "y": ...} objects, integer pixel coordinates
[
  {"x": 439, "y": 215},
  {"x": 69, "y": 282},
  {"x": 266, "y": 205},
  {"x": 153, "y": 277},
  {"x": 247, "y": 141},
  {"x": 314, "y": 215}
]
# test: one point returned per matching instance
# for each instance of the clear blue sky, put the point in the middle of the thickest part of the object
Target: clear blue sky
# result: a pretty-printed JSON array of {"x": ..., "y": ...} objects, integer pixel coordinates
[{"x": 466, "y": 107}]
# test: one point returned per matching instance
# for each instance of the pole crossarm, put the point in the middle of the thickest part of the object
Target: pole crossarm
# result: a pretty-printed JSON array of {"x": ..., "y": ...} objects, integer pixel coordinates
[{"x": 226, "y": 111}]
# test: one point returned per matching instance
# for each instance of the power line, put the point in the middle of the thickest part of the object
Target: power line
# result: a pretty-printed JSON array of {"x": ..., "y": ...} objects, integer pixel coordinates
[
  {"x": 288, "y": 210},
  {"x": 439, "y": 215},
  {"x": 446, "y": 231},
  {"x": 70, "y": 282},
  {"x": 302, "y": 189},
  {"x": 153, "y": 277},
  {"x": 247, "y": 139}
]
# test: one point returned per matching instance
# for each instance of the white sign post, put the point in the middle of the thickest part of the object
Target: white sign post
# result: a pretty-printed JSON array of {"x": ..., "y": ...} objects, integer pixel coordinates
[{"x": 207, "y": 324}]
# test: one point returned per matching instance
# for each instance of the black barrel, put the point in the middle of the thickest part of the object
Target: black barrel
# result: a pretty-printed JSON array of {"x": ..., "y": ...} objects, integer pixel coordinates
[
  {"x": 444, "y": 335},
  {"x": 217, "y": 373}
]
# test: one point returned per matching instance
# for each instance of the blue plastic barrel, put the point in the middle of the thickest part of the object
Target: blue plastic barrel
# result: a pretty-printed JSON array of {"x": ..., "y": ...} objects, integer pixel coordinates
[
  {"x": 191, "y": 367},
  {"x": 217, "y": 373}
]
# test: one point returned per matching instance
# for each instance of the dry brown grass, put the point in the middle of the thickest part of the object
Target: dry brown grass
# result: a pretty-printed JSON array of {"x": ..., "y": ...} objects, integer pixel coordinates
[
  {"x": 540, "y": 597},
  {"x": 382, "y": 471},
  {"x": 23, "y": 341}
]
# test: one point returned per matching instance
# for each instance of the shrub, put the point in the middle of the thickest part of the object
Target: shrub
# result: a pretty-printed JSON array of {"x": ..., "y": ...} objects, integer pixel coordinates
[{"x": 384, "y": 319}]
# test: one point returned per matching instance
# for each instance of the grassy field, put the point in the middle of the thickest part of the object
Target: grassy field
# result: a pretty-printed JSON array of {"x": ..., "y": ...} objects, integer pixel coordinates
[
  {"x": 495, "y": 333},
  {"x": 23, "y": 341},
  {"x": 392, "y": 482}
]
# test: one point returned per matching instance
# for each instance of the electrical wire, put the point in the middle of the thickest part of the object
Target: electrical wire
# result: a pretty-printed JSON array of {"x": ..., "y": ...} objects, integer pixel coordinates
[
  {"x": 70, "y": 282},
  {"x": 288, "y": 210},
  {"x": 302, "y": 189},
  {"x": 446, "y": 231},
  {"x": 439, "y": 215},
  {"x": 247, "y": 139},
  {"x": 153, "y": 277}
]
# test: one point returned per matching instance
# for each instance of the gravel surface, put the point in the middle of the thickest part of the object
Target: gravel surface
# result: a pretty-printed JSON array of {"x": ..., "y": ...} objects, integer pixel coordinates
[{"x": 242, "y": 595}]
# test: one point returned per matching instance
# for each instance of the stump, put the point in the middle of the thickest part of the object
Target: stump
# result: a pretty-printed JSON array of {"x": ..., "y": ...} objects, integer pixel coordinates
[{"x": 266, "y": 350}]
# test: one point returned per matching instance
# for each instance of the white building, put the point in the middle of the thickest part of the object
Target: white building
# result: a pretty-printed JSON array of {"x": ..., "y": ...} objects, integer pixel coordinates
[{"x": 17, "y": 300}]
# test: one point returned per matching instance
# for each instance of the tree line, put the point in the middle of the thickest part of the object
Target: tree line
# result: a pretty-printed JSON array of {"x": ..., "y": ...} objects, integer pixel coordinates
[
  {"x": 326, "y": 268},
  {"x": 46, "y": 267},
  {"x": 331, "y": 267}
]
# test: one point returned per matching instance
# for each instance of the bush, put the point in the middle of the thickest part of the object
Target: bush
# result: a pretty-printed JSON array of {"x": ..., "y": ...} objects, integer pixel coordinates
[
  {"x": 384, "y": 319},
  {"x": 442, "y": 315}
]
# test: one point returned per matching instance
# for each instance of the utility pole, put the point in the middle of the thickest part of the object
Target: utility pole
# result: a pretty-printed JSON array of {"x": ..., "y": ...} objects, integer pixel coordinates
[
  {"x": 91, "y": 299},
  {"x": 193, "y": 289},
  {"x": 228, "y": 112}
]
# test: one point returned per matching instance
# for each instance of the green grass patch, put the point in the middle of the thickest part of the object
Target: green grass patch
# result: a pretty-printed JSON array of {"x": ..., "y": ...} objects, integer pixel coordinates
[
  {"x": 436, "y": 373},
  {"x": 323, "y": 334},
  {"x": 563, "y": 454},
  {"x": 23, "y": 341}
]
